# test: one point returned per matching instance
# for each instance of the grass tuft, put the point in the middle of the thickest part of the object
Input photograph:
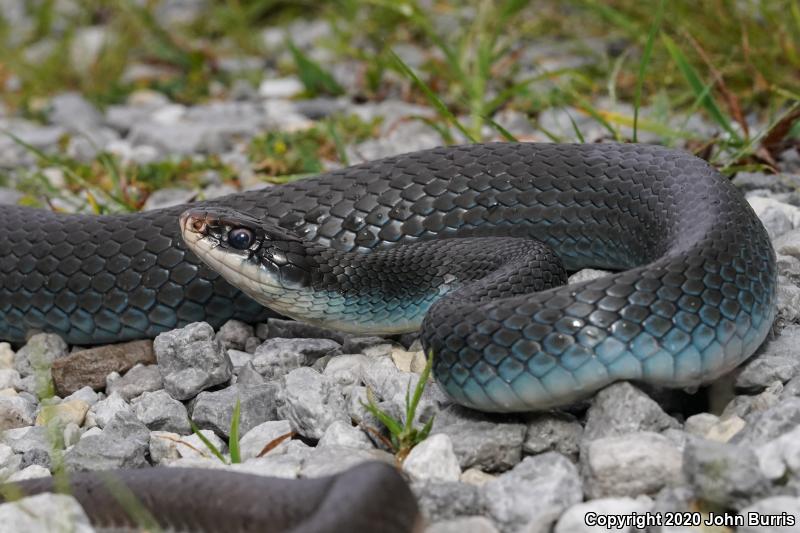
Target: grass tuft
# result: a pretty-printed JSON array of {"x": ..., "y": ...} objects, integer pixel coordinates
[{"x": 403, "y": 435}]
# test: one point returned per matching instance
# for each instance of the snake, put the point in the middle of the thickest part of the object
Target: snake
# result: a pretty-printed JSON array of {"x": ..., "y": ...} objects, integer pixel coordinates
[
  {"x": 691, "y": 293},
  {"x": 372, "y": 496}
]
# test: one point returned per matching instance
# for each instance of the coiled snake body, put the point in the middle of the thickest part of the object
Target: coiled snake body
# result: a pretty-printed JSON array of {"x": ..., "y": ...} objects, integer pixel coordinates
[{"x": 693, "y": 298}]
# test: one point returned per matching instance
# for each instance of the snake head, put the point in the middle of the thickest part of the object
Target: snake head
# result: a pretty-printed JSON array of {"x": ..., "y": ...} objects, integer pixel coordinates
[{"x": 245, "y": 250}]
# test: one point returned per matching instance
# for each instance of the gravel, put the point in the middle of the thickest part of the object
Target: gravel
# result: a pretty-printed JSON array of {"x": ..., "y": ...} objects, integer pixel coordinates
[
  {"x": 191, "y": 360},
  {"x": 127, "y": 405},
  {"x": 214, "y": 410},
  {"x": 45, "y": 512},
  {"x": 433, "y": 458},
  {"x": 311, "y": 402},
  {"x": 481, "y": 440},
  {"x": 629, "y": 465},
  {"x": 160, "y": 412},
  {"x": 539, "y": 488}
]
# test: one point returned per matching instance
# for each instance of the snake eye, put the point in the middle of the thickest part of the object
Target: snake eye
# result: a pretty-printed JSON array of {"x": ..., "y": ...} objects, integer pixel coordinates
[{"x": 240, "y": 238}]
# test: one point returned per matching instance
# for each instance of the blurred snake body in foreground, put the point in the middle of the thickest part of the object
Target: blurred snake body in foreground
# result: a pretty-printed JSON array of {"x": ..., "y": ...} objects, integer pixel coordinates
[{"x": 693, "y": 295}]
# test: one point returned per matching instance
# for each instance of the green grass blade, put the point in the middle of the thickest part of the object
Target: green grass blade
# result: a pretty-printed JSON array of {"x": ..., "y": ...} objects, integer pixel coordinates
[
  {"x": 648, "y": 50},
  {"x": 507, "y": 135},
  {"x": 411, "y": 407},
  {"x": 426, "y": 430},
  {"x": 575, "y": 127},
  {"x": 391, "y": 424},
  {"x": 207, "y": 443},
  {"x": 431, "y": 96},
  {"x": 52, "y": 161},
  {"x": 698, "y": 87},
  {"x": 315, "y": 79},
  {"x": 614, "y": 16},
  {"x": 233, "y": 441}
]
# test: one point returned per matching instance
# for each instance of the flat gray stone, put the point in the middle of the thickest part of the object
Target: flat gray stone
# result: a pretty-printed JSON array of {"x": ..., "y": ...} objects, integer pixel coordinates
[
  {"x": 465, "y": 524},
  {"x": 311, "y": 402},
  {"x": 433, "y": 458},
  {"x": 103, "y": 411},
  {"x": 16, "y": 412},
  {"x": 161, "y": 412},
  {"x": 539, "y": 488},
  {"x": 725, "y": 474},
  {"x": 122, "y": 444},
  {"x": 490, "y": 443},
  {"x": 346, "y": 370},
  {"x": 137, "y": 380},
  {"x": 332, "y": 460},
  {"x": 234, "y": 334},
  {"x": 39, "y": 353},
  {"x": 214, "y": 410},
  {"x": 255, "y": 441},
  {"x": 45, "y": 513},
  {"x": 779, "y": 514},
  {"x": 630, "y": 465},
  {"x": 775, "y": 360},
  {"x": 582, "y": 518},
  {"x": 191, "y": 360},
  {"x": 277, "y": 357},
  {"x": 771, "y": 423},
  {"x": 448, "y": 500},
  {"x": 620, "y": 409},
  {"x": 560, "y": 432},
  {"x": 341, "y": 433}
]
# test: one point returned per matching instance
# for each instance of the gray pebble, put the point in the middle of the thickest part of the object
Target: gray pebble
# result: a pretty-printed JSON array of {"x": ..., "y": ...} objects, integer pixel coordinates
[
  {"x": 103, "y": 411},
  {"x": 345, "y": 370},
  {"x": 621, "y": 408},
  {"x": 769, "y": 424},
  {"x": 539, "y": 488},
  {"x": 335, "y": 459},
  {"x": 277, "y": 357},
  {"x": 16, "y": 412},
  {"x": 775, "y": 360},
  {"x": 724, "y": 474},
  {"x": 489, "y": 443},
  {"x": 39, "y": 353},
  {"x": 447, "y": 500},
  {"x": 214, "y": 410},
  {"x": 234, "y": 334},
  {"x": 191, "y": 359},
  {"x": 161, "y": 412},
  {"x": 311, "y": 402},
  {"x": 629, "y": 465},
  {"x": 45, "y": 512},
  {"x": 433, "y": 458},
  {"x": 560, "y": 432},
  {"x": 248, "y": 376},
  {"x": 122, "y": 444},
  {"x": 137, "y": 380},
  {"x": 574, "y": 519},
  {"x": 341, "y": 433},
  {"x": 781, "y": 509},
  {"x": 254, "y": 441},
  {"x": 465, "y": 524}
]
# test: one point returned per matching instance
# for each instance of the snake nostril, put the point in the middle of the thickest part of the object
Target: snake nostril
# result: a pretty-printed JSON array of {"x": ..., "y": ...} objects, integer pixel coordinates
[{"x": 198, "y": 225}]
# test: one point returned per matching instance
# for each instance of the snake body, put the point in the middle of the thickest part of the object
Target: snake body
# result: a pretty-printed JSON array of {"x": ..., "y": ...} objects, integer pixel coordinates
[
  {"x": 369, "y": 497},
  {"x": 694, "y": 297}
]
